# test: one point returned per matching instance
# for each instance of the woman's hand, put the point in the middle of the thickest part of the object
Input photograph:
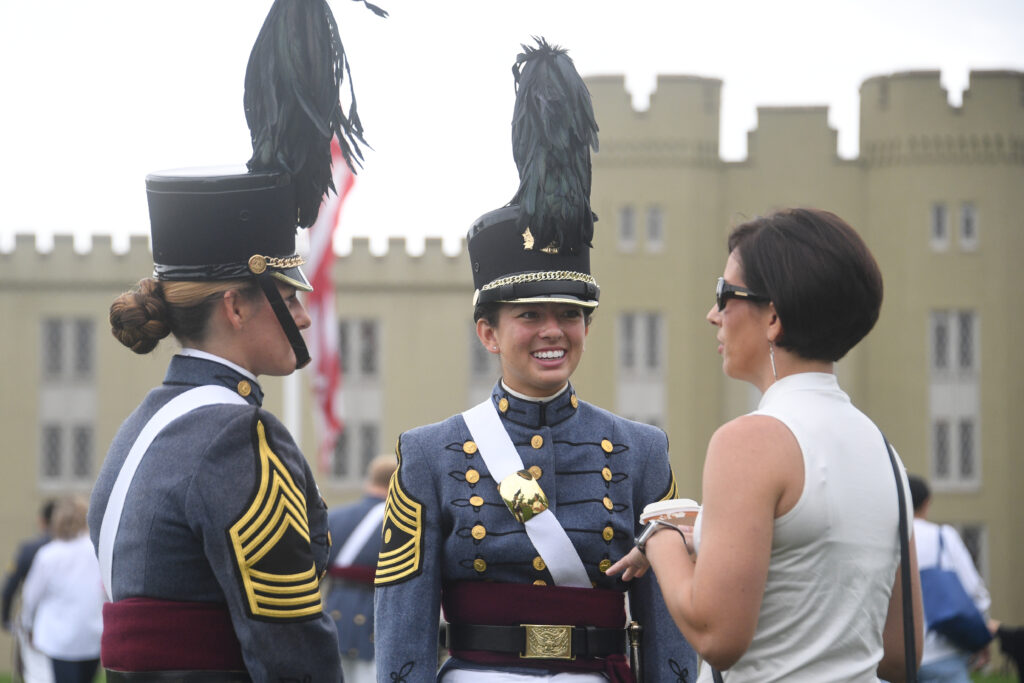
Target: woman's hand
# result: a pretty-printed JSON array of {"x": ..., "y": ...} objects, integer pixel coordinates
[{"x": 632, "y": 565}]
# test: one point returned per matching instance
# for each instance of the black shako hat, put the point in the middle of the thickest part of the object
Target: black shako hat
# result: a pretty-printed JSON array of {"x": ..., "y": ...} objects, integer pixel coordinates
[
  {"x": 229, "y": 223},
  {"x": 537, "y": 248}
]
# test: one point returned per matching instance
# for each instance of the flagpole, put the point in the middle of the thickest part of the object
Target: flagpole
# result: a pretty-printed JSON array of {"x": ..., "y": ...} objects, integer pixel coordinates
[{"x": 293, "y": 405}]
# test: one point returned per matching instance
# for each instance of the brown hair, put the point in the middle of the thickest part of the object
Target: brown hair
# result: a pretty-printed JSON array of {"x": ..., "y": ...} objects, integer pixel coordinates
[
  {"x": 380, "y": 469},
  {"x": 140, "y": 318},
  {"x": 819, "y": 274},
  {"x": 69, "y": 518}
]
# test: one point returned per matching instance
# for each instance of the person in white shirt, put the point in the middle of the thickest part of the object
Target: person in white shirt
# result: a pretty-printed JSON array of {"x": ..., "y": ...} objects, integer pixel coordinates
[
  {"x": 792, "y": 573},
  {"x": 62, "y": 600},
  {"x": 942, "y": 661}
]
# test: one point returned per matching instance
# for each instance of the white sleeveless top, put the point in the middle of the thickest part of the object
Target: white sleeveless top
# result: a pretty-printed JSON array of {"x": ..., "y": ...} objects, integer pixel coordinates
[{"x": 834, "y": 555}]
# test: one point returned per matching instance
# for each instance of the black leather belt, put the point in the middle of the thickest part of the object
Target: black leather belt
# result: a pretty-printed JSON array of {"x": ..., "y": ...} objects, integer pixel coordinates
[
  {"x": 177, "y": 676},
  {"x": 538, "y": 641}
]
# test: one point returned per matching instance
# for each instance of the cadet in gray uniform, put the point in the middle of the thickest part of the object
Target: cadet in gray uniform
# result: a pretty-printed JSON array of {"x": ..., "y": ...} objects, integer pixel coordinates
[
  {"x": 211, "y": 533},
  {"x": 355, "y": 542},
  {"x": 509, "y": 514}
]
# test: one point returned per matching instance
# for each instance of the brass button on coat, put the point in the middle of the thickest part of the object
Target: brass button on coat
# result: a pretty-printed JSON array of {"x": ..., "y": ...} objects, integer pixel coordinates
[
  {"x": 606, "y": 446},
  {"x": 574, "y": 401},
  {"x": 359, "y": 619},
  {"x": 476, "y": 501},
  {"x": 479, "y": 565},
  {"x": 478, "y": 531},
  {"x": 472, "y": 476},
  {"x": 469, "y": 448},
  {"x": 608, "y": 533},
  {"x": 606, "y": 474},
  {"x": 603, "y": 566},
  {"x": 538, "y": 563},
  {"x": 503, "y": 405},
  {"x": 244, "y": 388},
  {"x": 540, "y": 582},
  {"x": 537, "y": 441},
  {"x": 536, "y": 471},
  {"x": 608, "y": 503}
]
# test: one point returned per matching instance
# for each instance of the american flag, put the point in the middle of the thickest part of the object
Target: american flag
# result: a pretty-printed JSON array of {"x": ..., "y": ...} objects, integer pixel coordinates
[{"x": 323, "y": 330}]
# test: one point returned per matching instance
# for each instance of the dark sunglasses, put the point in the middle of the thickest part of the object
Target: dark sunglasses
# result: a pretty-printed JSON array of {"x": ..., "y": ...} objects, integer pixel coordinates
[{"x": 724, "y": 291}]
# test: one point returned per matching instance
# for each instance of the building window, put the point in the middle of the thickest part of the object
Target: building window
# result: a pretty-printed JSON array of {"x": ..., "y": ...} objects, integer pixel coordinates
[
  {"x": 965, "y": 340},
  {"x": 359, "y": 347},
  {"x": 941, "y": 449},
  {"x": 627, "y": 326},
  {"x": 641, "y": 342},
  {"x": 655, "y": 229},
  {"x": 51, "y": 451},
  {"x": 53, "y": 348},
  {"x": 627, "y": 228},
  {"x": 940, "y": 341},
  {"x": 968, "y": 226},
  {"x": 653, "y": 341},
  {"x": 81, "y": 451},
  {"x": 973, "y": 536},
  {"x": 339, "y": 468},
  {"x": 83, "y": 349},
  {"x": 939, "y": 227},
  {"x": 368, "y": 437},
  {"x": 954, "y": 399}
]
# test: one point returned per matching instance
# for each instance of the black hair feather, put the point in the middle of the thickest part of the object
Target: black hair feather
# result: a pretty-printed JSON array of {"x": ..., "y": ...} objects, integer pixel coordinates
[
  {"x": 553, "y": 130},
  {"x": 292, "y": 86}
]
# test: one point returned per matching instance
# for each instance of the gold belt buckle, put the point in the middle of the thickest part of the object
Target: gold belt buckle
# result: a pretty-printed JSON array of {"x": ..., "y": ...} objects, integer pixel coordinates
[{"x": 546, "y": 641}]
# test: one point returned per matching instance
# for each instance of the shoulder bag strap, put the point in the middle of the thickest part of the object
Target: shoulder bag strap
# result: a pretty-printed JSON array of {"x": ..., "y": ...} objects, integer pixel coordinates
[{"x": 909, "y": 648}]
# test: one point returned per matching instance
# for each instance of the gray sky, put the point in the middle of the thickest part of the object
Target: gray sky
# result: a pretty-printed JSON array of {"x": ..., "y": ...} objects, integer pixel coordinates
[{"x": 98, "y": 94}]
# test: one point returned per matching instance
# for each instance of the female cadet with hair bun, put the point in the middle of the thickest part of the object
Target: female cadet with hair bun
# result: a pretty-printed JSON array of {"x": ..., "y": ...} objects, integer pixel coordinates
[
  {"x": 794, "y": 570},
  {"x": 210, "y": 529}
]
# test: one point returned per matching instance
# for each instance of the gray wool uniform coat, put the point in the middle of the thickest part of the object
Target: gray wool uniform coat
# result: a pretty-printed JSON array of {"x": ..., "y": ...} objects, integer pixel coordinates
[
  {"x": 193, "y": 527},
  {"x": 447, "y": 523}
]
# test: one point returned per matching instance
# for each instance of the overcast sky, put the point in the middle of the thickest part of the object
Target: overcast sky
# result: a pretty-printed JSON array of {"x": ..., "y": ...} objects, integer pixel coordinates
[{"x": 95, "y": 95}]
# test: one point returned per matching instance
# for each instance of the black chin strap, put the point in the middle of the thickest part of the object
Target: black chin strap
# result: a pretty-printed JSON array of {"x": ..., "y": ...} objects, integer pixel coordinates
[{"x": 284, "y": 317}]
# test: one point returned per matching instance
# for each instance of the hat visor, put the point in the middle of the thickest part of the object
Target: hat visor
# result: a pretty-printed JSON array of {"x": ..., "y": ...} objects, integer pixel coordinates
[
  {"x": 551, "y": 299},
  {"x": 293, "y": 276}
]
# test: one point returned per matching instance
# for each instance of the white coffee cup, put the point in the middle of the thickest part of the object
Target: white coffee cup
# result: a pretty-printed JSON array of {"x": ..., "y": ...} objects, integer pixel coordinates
[{"x": 682, "y": 511}]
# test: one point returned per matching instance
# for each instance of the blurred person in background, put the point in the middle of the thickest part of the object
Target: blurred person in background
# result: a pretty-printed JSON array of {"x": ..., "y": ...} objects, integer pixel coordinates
[
  {"x": 62, "y": 600},
  {"x": 942, "y": 661},
  {"x": 32, "y": 665},
  {"x": 355, "y": 543}
]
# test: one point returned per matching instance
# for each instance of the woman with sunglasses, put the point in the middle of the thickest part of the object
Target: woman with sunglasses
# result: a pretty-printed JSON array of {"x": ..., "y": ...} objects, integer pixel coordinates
[{"x": 791, "y": 572}]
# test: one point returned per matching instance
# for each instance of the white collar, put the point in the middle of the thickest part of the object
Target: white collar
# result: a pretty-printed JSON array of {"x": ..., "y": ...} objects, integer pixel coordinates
[
  {"x": 196, "y": 353},
  {"x": 534, "y": 399}
]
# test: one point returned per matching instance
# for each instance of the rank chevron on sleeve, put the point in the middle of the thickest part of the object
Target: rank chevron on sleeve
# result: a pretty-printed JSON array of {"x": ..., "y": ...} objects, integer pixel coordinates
[
  {"x": 271, "y": 544},
  {"x": 401, "y": 551}
]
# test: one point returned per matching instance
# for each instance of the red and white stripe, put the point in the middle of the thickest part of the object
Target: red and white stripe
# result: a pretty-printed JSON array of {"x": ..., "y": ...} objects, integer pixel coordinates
[{"x": 323, "y": 331}]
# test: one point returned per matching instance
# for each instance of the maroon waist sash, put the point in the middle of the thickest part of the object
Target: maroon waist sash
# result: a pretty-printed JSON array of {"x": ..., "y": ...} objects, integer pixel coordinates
[
  {"x": 356, "y": 573},
  {"x": 144, "y": 634},
  {"x": 512, "y": 604}
]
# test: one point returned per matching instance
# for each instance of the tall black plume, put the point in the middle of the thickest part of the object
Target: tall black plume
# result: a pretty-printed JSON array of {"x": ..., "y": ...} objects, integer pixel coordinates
[
  {"x": 292, "y": 104},
  {"x": 553, "y": 131}
]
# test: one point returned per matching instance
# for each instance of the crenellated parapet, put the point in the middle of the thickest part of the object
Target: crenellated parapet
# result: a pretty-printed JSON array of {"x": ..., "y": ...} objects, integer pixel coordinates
[
  {"x": 679, "y": 128},
  {"x": 101, "y": 266},
  {"x": 906, "y": 119}
]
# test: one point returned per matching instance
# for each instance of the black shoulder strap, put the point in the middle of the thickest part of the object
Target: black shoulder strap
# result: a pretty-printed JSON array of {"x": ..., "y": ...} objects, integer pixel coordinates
[{"x": 909, "y": 646}]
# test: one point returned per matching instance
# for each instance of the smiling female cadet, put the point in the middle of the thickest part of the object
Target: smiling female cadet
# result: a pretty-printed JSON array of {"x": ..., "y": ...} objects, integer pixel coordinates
[{"x": 509, "y": 513}]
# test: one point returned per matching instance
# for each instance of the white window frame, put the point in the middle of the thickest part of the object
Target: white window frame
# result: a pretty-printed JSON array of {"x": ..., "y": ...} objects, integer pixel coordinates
[{"x": 954, "y": 399}]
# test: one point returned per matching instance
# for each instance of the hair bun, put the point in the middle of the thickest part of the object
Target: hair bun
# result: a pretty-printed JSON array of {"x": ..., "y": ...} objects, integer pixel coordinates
[{"x": 138, "y": 319}]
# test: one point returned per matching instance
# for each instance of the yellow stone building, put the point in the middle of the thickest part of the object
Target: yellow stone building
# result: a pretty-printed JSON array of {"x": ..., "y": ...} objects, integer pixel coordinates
[{"x": 936, "y": 191}]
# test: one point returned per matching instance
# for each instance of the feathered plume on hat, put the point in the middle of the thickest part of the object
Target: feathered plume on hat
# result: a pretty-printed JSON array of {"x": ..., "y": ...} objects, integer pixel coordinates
[
  {"x": 292, "y": 87},
  {"x": 553, "y": 131}
]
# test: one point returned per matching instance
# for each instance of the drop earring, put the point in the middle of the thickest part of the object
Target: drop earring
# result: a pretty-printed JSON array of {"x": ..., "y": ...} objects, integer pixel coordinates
[{"x": 771, "y": 357}]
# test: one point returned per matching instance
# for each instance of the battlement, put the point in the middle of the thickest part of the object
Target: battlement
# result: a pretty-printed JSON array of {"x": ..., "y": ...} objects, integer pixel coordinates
[
  {"x": 29, "y": 265},
  {"x": 907, "y": 118},
  {"x": 777, "y": 128},
  {"x": 680, "y": 127}
]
